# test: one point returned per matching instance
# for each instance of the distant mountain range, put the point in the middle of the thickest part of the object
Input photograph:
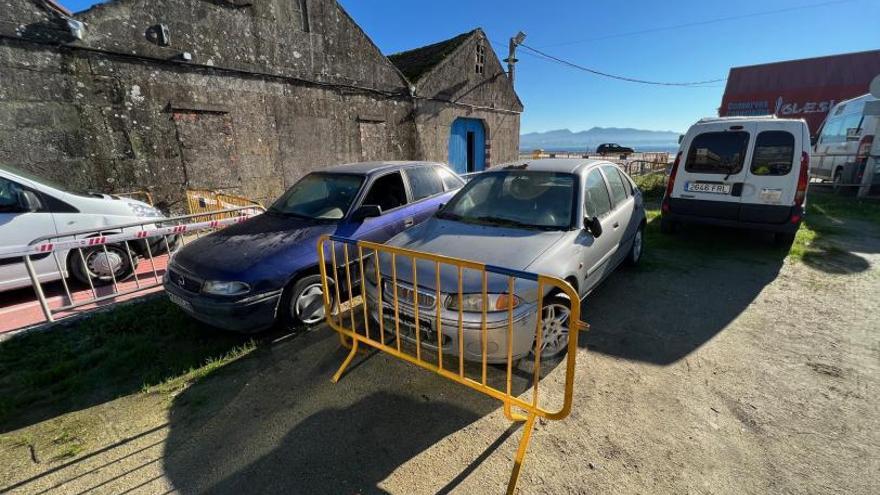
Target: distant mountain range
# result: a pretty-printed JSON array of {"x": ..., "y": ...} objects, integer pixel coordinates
[{"x": 566, "y": 140}]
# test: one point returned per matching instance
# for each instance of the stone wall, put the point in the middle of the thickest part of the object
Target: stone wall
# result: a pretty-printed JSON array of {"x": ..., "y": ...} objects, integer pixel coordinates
[{"x": 268, "y": 95}]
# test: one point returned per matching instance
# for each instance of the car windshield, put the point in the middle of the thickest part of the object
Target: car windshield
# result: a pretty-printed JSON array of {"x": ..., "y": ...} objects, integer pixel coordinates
[
  {"x": 319, "y": 196},
  {"x": 541, "y": 200}
]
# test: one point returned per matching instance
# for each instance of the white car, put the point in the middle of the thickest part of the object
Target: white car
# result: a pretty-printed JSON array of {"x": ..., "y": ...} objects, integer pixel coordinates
[
  {"x": 748, "y": 172},
  {"x": 31, "y": 208},
  {"x": 846, "y": 143}
]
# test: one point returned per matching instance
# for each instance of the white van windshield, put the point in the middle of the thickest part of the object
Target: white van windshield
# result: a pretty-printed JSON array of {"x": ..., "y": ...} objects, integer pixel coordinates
[{"x": 717, "y": 153}]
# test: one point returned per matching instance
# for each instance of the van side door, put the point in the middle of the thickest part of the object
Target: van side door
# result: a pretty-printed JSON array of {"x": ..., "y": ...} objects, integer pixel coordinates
[{"x": 19, "y": 227}]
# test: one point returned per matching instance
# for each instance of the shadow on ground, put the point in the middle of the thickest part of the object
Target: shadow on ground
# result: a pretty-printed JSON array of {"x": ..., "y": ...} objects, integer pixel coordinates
[
  {"x": 274, "y": 422},
  {"x": 689, "y": 287}
]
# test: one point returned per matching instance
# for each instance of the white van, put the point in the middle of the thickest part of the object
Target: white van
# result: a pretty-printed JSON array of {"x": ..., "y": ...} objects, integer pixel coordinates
[
  {"x": 846, "y": 143},
  {"x": 749, "y": 172},
  {"x": 31, "y": 207}
]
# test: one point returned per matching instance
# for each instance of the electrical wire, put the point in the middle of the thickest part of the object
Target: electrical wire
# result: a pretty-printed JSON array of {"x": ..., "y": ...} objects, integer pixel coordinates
[{"x": 573, "y": 65}]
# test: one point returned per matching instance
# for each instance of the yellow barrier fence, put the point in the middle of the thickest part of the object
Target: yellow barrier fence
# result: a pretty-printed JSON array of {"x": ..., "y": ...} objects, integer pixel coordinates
[
  {"x": 455, "y": 317},
  {"x": 208, "y": 201}
]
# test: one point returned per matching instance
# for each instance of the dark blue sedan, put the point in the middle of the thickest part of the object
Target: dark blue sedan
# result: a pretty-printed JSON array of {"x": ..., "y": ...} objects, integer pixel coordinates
[{"x": 251, "y": 275}]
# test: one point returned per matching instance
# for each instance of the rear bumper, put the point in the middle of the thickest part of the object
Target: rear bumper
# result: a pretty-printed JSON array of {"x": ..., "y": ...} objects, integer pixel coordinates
[
  {"x": 250, "y": 314},
  {"x": 770, "y": 218}
]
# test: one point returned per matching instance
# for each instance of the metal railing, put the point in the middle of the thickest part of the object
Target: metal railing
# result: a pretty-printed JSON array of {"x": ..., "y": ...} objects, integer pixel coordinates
[
  {"x": 411, "y": 320},
  {"x": 107, "y": 258}
]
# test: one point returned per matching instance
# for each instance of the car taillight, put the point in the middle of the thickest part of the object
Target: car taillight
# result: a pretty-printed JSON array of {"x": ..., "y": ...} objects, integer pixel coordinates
[
  {"x": 864, "y": 148},
  {"x": 670, "y": 183},
  {"x": 803, "y": 180}
]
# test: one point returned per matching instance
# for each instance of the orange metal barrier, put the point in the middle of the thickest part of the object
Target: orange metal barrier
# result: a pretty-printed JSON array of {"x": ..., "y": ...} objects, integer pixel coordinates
[
  {"x": 207, "y": 201},
  {"x": 442, "y": 349}
]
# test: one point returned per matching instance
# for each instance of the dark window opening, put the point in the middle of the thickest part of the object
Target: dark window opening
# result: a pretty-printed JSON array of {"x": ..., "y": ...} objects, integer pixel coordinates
[
  {"x": 717, "y": 153},
  {"x": 424, "y": 182},
  {"x": 471, "y": 152},
  {"x": 481, "y": 58},
  {"x": 387, "y": 192},
  {"x": 774, "y": 153}
]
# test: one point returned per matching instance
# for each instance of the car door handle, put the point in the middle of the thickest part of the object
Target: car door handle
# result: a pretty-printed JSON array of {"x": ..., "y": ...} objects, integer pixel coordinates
[
  {"x": 409, "y": 222},
  {"x": 616, "y": 224}
]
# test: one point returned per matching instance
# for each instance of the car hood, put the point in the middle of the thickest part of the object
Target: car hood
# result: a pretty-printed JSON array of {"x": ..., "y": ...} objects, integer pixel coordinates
[
  {"x": 264, "y": 247},
  {"x": 493, "y": 245},
  {"x": 506, "y": 247}
]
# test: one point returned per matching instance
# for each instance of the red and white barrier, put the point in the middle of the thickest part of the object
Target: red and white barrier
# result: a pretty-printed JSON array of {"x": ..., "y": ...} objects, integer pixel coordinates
[{"x": 48, "y": 247}]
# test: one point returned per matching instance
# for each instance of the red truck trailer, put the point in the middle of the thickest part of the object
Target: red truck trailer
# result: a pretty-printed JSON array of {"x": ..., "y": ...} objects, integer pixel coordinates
[{"x": 805, "y": 88}]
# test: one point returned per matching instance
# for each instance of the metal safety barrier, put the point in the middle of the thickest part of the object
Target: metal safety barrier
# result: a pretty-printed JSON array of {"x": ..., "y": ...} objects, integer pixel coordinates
[
  {"x": 417, "y": 314},
  {"x": 208, "y": 201},
  {"x": 108, "y": 257}
]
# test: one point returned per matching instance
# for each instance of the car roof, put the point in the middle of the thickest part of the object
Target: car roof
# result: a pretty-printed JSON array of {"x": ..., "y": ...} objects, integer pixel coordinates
[
  {"x": 750, "y": 118},
  {"x": 560, "y": 165},
  {"x": 369, "y": 168}
]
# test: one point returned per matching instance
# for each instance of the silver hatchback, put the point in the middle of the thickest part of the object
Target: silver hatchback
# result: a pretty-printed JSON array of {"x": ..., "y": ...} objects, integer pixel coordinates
[{"x": 573, "y": 219}]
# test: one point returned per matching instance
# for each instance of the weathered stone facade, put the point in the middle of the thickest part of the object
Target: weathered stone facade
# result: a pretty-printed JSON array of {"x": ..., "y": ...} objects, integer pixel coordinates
[{"x": 240, "y": 95}]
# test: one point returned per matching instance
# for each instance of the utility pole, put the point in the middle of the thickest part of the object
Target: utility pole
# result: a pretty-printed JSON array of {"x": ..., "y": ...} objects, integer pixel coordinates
[{"x": 511, "y": 58}]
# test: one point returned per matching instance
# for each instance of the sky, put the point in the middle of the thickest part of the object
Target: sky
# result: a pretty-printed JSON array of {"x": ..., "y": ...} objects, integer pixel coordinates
[{"x": 677, "y": 41}]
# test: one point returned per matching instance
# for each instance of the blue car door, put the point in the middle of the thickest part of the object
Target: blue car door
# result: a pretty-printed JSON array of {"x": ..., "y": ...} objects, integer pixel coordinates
[
  {"x": 426, "y": 190},
  {"x": 388, "y": 193}
]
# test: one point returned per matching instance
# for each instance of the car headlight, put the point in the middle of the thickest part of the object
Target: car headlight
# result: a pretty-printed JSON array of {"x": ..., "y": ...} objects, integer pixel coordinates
[
  {"x": 142, "y": 210},
  {"x": 223, "y": 288},
  {"x": 474, "y": 302}
]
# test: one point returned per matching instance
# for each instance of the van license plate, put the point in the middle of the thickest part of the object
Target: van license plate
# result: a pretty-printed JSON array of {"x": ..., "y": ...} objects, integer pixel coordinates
[
  {"x": 707, "y": 187},
  {"x": 183, "y": 303}
]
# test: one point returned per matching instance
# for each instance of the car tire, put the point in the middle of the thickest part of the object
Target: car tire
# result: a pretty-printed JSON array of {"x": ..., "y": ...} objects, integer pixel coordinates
[
  {"x": 555, "y": 323},
  {"x": 637, "y": 248},
  {"x": 667, "y": 226},
  {"x": 95, "y": 265},
  {"x": 784, "y": 239},
  {"x": 302, "y": 303},
  {"x": 837, "y": 182}
]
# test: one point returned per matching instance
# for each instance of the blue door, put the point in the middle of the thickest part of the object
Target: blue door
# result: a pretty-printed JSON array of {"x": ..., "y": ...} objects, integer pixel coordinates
[{"x": 467, "y": 146}]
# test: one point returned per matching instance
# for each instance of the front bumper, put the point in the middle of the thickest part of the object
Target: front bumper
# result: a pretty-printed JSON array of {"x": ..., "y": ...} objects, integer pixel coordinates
[
  {"x": 452, "y": 338},
  {"x": 250, "y": 314}
]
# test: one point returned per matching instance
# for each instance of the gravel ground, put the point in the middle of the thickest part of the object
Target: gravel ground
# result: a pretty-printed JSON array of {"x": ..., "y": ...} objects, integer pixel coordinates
[{"x": 701, "y": 374}]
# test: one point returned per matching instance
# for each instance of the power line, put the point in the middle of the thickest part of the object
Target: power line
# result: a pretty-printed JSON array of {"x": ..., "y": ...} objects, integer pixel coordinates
[
  {"x": 701, "y": 23},
  {"x": 614, "y": 76}
]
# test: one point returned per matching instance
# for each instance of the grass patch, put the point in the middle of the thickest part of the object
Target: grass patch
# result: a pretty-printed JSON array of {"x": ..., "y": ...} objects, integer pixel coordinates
[
  {"x": 652, "y": 186},
  {"x": 148, "y": 346},
  {"x": 837, "y": 207}
]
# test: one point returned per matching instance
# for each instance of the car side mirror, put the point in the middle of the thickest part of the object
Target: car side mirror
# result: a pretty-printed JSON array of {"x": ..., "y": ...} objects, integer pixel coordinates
[
  {"x": 28, "y": 201},
  {"x": 593, "y": 225},
  {"x": 814, "y": 140},
  {"x": 680, "y": 138},
  {"x": 367, "y": 211}
]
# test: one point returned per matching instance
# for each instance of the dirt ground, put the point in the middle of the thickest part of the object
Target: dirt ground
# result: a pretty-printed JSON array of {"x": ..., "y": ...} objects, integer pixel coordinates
[{"x": 729, "y": 371}]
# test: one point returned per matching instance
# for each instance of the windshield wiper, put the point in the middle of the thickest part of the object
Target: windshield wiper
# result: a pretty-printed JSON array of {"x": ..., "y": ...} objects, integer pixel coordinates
[
  {"x": 445, "y": 215},
  {"x": 280, "y": 212},
  {"x": 503, "y": 221}
]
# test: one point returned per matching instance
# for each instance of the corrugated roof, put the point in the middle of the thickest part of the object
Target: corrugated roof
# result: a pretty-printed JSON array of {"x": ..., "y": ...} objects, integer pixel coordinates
[{"x": 417, "y": 62}]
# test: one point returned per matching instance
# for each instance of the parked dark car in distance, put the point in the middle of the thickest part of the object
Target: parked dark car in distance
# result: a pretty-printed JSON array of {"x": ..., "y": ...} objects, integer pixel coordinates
[
  {"x": 613, "y": 149},
  {"x": 251, "y": 275}
]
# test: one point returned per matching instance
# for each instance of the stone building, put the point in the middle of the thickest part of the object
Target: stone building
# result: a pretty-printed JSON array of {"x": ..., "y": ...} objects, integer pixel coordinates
[{"x": 240, "y": 95}]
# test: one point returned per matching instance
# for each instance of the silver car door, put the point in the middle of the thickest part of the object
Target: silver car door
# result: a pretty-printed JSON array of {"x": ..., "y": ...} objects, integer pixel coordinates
[
  {"x": 621, "y": 214},
  {"x": 598, "y": 251}
]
